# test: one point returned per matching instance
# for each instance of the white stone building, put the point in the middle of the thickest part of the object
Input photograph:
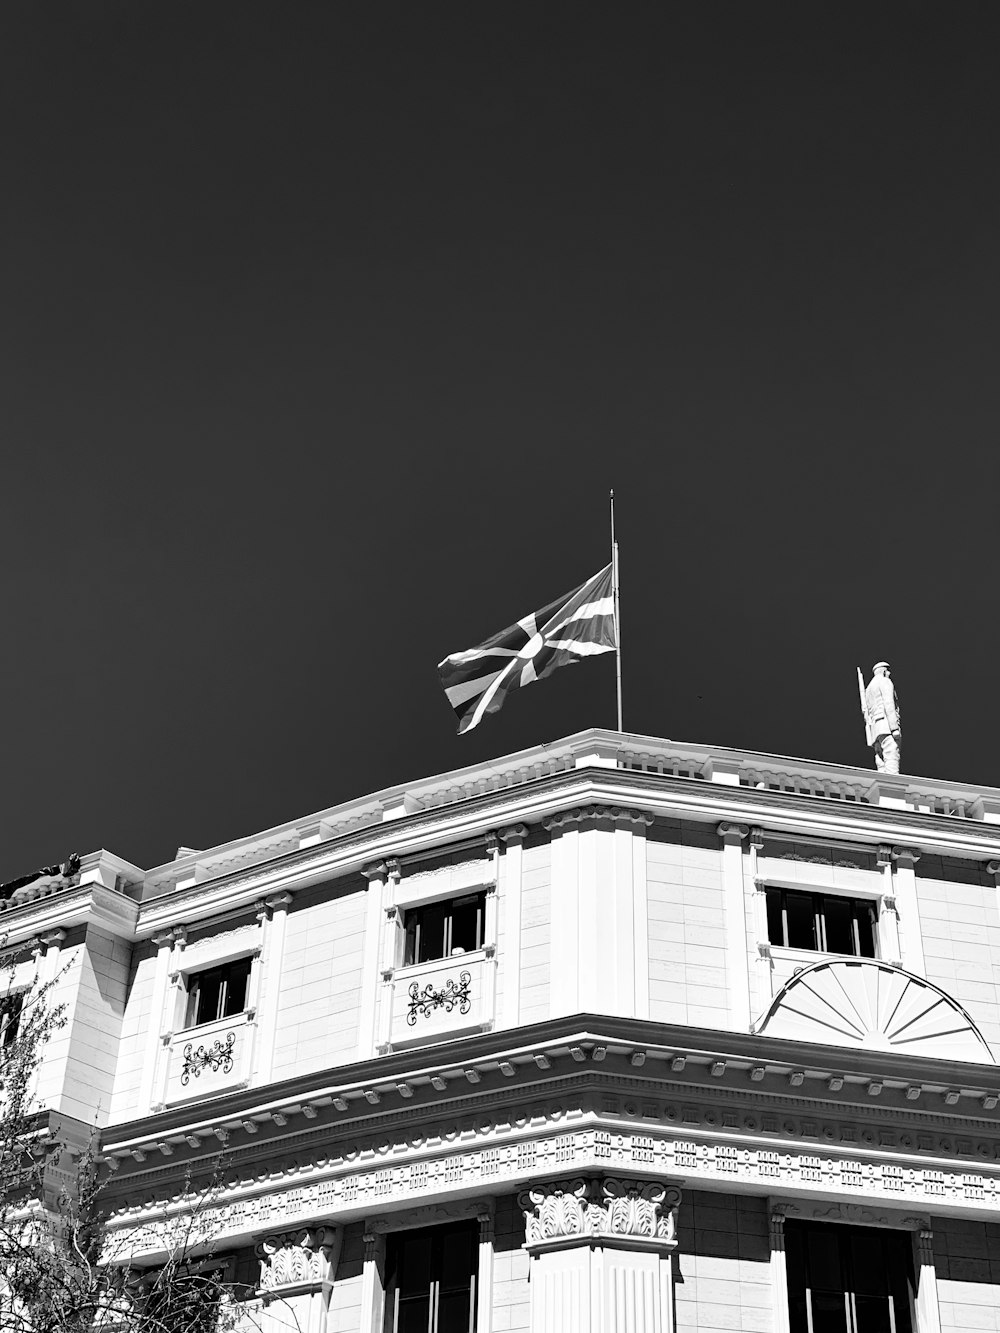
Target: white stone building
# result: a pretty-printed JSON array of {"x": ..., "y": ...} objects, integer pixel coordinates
[{"x": 613, "y": 1034}]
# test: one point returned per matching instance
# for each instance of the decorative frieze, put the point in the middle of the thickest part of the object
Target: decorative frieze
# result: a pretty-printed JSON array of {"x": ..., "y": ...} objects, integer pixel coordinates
[
  {"x": 437, "y": 1170},
  {"x": 584, "y": 814}
]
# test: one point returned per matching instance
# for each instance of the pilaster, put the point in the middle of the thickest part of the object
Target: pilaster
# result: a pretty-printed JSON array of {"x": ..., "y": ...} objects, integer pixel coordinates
[
  {"x": 512, "y": 839},
  {"x": 377, "y": 876},
  {"x": 265, "y": 986},
  {"x": 161, "y": 971},
  {"x": 779, "y": 1268},
  {"x": 911, "y": 944},
  {"x": 928, "y": 1310},
  {"x": 373, "y": 1282},
  {"x": 888, "y": 919},
  {"x": 601, "y": 1255},
  {"x": 737, "y": 962}
]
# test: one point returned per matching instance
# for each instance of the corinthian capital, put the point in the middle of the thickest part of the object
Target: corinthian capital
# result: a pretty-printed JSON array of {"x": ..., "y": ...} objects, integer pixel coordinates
[
  {"x": 298, "y": 1259},
  {"x": 611, "y": 1210}
]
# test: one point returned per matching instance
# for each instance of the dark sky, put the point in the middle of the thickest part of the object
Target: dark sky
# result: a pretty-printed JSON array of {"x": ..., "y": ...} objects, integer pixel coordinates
[{"x": 326, "y": 329}]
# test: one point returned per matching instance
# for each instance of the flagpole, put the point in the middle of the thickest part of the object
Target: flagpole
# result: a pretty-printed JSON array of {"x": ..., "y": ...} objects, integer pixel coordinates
[{"x": 617, "y": 610}]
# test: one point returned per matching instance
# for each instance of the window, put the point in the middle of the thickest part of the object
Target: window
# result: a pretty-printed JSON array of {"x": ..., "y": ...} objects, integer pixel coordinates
[
  {"x": 826, "y": 922},
  {"x": 441, "y": 929},
  {"x": 219, "y": 992},
  {"x": 848, "y": 1279},
  {"x": 431, "y": 1280},
  {"x": 10, "y": 1019}
]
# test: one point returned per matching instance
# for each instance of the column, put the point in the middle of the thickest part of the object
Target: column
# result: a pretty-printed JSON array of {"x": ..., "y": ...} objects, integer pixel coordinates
[
  {"x": 763, "y": 972},
  {"x": 601, "y": 1255},
  {"x": 513, "y": 843},
  {"x": 928, "y": 1311},
  {"x": 908, "y": 914},
  {"x": 392, "y": 953},
  {"x": 154, "y": 1031},
  {"x": 737, "y": 962},
  {"x": 297, "y": 1272},
  {"x": 779, "y": 1269},
  {"x": 376, "y": 875},
  {"x": 265, "y": 995},
  {"x": 888, "y": 922}
]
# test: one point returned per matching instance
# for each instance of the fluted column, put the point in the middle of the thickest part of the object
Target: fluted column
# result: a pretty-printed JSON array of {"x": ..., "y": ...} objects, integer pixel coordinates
[{"x": 601, "y": 1255}]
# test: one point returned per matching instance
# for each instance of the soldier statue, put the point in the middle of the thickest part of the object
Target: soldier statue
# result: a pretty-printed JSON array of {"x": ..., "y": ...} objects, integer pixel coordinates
[{"x": 880, "y": 709}]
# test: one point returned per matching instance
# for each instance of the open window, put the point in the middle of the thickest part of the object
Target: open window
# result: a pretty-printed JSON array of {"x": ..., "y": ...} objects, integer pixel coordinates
[
  {"x": 218, "y": 992},
  {"x": 825, "y": 922},
  {"x": 844, "y": 1279},
  {"x": 10, "y": 1018},
  {"x": 431, "y": 1279},
  {"x": 444, "y": 929}
]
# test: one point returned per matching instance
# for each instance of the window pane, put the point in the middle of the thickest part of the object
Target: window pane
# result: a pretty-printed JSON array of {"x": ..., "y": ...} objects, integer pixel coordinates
[
  {"x": 209, "y": 992},
  {"x": 775, "y": 930},
  {"x": 801, "y": 921},
  {"x": 868, "y": 1263},
  {"x": 823, "y": 1260},
  {"x": 454, "y": 1312},
  {"x": 873, "y": 1314},
  {"x": 839, "y": 917},
  {"x": 829, "y": 1313},
  {"x": 866, "y": 929},
  {"x": 467, "y": 923},
  {"x": 459, "y": 1252},
  {"x": 236, "y": 991},
  {"x": 413, "y": 1315},
  {"x": 432, "y": 932},
  {"x": 414, "y": 1268}
]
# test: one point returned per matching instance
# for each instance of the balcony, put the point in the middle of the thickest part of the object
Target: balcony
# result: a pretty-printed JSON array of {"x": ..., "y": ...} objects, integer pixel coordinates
[
  {"x": 209, "y": 1059},
  {"x": 437, "y": 1000}
]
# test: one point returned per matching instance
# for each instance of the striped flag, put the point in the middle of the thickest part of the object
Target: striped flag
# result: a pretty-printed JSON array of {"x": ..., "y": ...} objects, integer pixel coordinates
[{"x": 578, "y": 625}]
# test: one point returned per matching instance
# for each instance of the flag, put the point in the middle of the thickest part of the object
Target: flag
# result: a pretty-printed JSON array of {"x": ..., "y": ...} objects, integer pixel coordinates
[{"x": 575, "y": 626}]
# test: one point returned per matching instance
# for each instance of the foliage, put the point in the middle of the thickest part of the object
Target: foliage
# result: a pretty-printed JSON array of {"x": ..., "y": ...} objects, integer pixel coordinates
[{"x": 52, "y": 1235}]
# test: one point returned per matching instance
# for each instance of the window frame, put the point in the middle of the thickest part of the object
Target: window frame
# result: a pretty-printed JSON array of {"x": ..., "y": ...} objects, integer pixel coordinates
[
  {"x": 901, "y": 1282},
  {"x": 410, "y": 917},
  {"x": 438, "y": 1235},
  {"x": 192, "y": 991},
  {"x": 11, "y": 1009},
  {"x": 819, "y": 897}
]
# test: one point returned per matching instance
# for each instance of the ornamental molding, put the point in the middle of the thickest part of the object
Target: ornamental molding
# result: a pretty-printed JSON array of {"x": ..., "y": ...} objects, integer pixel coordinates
[
  {"x": 487, "y": 1156},
  {"x": 612, "y": 1209},
  {"x": 855, "y": 1214},
  {"x": 585, "y": 814},
  {"x": 457, "y": 1210},
  {"x": 296, "y": 1261}
]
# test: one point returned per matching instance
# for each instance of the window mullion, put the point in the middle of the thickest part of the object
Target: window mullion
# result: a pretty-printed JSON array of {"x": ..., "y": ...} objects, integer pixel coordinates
[
  {"x": 819, "y": 924},
  {"x": 784, "y": 917},
  {"x": 432, "y": 1306}
]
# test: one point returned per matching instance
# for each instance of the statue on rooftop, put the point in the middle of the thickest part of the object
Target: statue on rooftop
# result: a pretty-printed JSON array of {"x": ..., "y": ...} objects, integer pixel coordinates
[{"x": 880, "y": 709}]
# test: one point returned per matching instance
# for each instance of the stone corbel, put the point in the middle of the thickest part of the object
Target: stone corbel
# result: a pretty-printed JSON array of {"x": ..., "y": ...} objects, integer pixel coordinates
[
  {"x": 513, "y": 833},
  {"x": 299, "y": 1262}
]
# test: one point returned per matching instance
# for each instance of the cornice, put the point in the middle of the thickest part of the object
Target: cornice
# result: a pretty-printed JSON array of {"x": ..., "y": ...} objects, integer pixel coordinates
[
  {"x": 410, "y": 1081},
  {"x": 84, "y": 904},
  {"x": 782, "y": 813}
]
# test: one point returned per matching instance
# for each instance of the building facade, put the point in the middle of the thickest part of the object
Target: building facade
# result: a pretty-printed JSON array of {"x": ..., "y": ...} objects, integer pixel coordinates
[{"x": 613, "y": 1034}]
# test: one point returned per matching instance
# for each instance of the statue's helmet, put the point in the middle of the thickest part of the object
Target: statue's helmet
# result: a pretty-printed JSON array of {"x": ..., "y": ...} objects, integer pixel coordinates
[{"x": 880, "y": 666}]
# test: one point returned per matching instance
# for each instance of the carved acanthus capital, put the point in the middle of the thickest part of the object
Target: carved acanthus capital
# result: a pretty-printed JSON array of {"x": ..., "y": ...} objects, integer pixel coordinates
[
  {"x": 300, "y": 1259},
  {"x": 613, "y": 1209}
]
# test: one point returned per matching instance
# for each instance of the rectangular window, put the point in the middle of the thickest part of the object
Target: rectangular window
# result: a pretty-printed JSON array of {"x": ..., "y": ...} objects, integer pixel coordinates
[
  {"x": 848, "y": 1279},
  {"x": 10, "y": 1019},
  {"x": 822, "y": 921},
  {"x": 443, "y": 929},
  {"x": 431, "y": 1280},
  {"x": 218, "y": 992}
]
